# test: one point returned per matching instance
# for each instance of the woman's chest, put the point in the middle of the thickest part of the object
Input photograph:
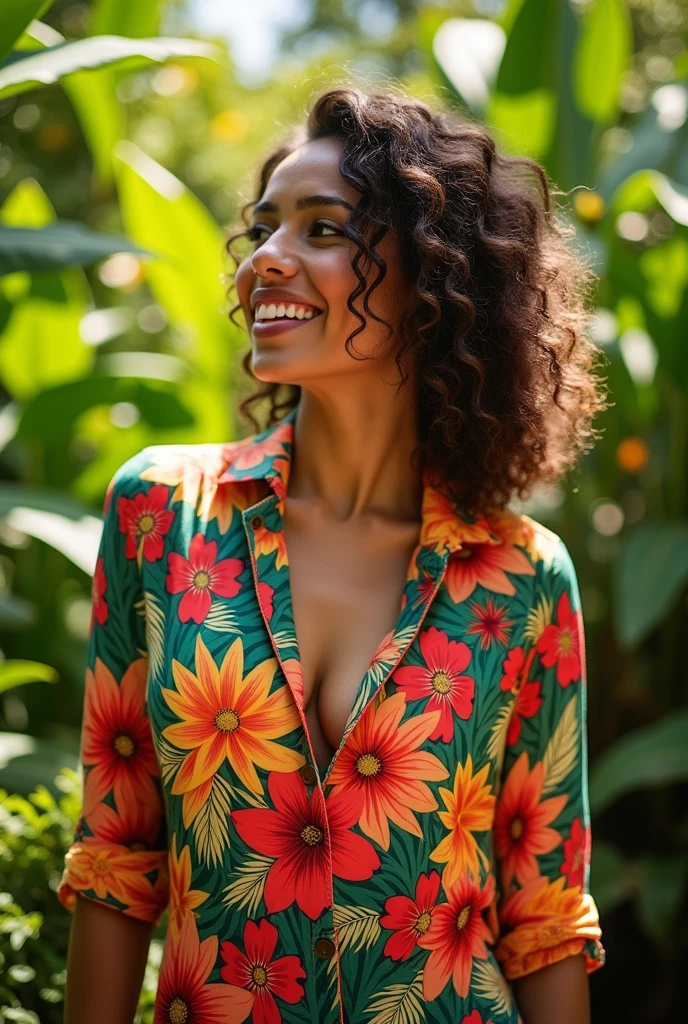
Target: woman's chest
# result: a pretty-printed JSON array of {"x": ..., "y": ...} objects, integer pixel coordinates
[{"x": 346, "y": 588}]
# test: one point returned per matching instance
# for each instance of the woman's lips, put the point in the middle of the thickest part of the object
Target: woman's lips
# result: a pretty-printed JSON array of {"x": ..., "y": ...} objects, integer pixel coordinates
[{"x": 268, "y": 328}]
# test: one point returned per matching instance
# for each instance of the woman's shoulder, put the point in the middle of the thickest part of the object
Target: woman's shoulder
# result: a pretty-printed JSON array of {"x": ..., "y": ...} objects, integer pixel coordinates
[{"x": 545, "y": 549}]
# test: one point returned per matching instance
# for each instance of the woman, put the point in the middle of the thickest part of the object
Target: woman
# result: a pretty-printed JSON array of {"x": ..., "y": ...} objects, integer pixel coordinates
[{"x": 388, "y": 819}]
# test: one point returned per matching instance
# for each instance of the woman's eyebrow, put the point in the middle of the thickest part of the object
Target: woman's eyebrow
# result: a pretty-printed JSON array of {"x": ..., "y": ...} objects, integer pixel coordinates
[{"x": 303, "y": 202}]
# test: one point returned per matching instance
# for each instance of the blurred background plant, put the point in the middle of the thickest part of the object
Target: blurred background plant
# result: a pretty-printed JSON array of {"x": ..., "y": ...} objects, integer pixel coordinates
[{"x": 127, "y": 143}]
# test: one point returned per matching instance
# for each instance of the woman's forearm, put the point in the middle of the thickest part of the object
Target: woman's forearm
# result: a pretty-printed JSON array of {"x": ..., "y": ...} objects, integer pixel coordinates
[
  {"x": 106, "y": 961},
  {"x": 556, "y": 994}
]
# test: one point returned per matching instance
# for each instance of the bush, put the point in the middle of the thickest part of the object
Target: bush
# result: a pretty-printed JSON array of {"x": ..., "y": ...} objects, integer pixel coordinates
[{"x": 35, "y": 834}]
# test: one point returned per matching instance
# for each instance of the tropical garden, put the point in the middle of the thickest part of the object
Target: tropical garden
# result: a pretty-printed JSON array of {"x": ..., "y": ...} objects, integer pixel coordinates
[{"x": 127, "y": 144}]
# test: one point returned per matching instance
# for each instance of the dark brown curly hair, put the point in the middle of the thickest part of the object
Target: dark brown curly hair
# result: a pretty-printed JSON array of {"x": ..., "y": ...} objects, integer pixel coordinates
[{"x": 507, "y": 383}]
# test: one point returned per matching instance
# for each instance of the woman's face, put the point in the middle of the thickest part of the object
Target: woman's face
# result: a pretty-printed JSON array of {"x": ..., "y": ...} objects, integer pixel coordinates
[{"x": 301, "y": 254}]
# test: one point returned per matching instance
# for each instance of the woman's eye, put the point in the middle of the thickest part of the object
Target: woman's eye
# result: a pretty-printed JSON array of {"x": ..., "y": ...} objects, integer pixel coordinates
[{"x": 254, "y": 232}]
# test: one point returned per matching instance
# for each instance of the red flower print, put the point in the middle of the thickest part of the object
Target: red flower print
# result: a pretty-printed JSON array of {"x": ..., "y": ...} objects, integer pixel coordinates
[
  {"x": 260, "y": 974},
  {"x": 529, "y": 699},
  {"x": 183, "y": 992},
  {"x": 441, "y": 679},
  {"x": 306, "y": 843},
  {"x": 457, "y": 936},
  {"x": 521, "y": 823},
  {"x": 382, "y": 761},
  {"x": 266, "y": 594},
  {"x": 576, "y": 853},
  {"x": 474, "y": 1018},
  {"x": 560, "y": 643},
  {"x": 99, "y": 606},
  {"x": 528, "y": 703},
  {"x": 145, "y": 519},
  {"x": 200, "y": 576},
  {"x": 410, "y": 918},
  {"x": 491, "y": 624}
]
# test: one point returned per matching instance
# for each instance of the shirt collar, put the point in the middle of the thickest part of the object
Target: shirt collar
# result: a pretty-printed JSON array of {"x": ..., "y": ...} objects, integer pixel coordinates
[{"x": 267, "y": 456}]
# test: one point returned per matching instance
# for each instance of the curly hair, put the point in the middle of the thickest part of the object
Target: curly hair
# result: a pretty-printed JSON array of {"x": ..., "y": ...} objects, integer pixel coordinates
[{"x": 507, "y": 381}]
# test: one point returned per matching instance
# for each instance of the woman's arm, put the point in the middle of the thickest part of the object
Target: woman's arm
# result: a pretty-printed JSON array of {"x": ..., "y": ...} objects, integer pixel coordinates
[
  {"x": 119, "y": 855},
  {"x": 106, "y": 961},
  {"x": 557, "y": 994}
]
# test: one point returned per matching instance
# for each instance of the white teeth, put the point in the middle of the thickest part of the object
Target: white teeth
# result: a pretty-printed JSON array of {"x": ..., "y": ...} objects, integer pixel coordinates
[{"x": 292, "y": 311}]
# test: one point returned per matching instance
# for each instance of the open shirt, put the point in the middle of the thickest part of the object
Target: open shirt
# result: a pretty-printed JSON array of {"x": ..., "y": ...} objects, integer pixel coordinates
[{"x": 444, "y": 852}]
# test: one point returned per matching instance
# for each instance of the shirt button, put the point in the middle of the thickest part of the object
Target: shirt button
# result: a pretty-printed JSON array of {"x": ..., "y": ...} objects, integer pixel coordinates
[
  {"x": 308, "y": 775},
  {"x": 256, "y": 522},
  {"x": 324, "y": 948}
]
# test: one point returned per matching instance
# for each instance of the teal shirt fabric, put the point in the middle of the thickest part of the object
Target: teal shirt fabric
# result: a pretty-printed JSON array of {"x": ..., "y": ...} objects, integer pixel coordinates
[{"x": 445, "y": 850}]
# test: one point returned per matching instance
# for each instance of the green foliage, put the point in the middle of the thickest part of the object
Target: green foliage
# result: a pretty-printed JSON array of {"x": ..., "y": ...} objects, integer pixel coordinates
[
  {"x": 35, "y": 833},
  {"x": 104, "y": 350},
  {"x": 63, "y": 244}
]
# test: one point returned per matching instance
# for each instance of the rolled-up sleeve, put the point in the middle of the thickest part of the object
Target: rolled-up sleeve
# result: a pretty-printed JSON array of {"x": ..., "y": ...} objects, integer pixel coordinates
[
  {"x": 119, "y": 854},
  {"x": 542, "y": 821}
]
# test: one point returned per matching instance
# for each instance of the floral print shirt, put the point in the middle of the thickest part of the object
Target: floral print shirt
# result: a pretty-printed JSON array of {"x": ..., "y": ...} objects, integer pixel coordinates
[{"x": 444, "y": 852}]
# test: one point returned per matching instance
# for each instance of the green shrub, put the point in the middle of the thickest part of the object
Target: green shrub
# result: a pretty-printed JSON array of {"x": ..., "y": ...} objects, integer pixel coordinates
[{"x": 35, "y": 834}]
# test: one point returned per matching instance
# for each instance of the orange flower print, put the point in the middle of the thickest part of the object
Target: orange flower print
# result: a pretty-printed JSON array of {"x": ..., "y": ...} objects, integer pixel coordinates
[
  {"x": 560, "y": 643},
  {"x": 457, "y": 936},
  {"x": 200, "y": 576},
  {"x": 228, "y": 716},
  {"x": 489, "y": 623},
  {"x": 382, "y": 762},
  {"x": 576, "y": 853},
  {"x": 137, "y": 825},
  {"x": 441, "y": 679},
  {"x": 470, "y": 807},
  {"x": 262, "y": 973},
  {"x": 521, "y": 823},
  {"x": 146, "y": 520},
  {"x": 99, "y": 606},
  {"x": 117, "y": 746},
  {"x": 410, "y": 918},
  {"x": 441, "y": 523},
  {"x": 182, "y": 898},
  {"x": 542, "y": 922},
  {"x": 184, "y": 994},
  {"x": 115, "y": 871},
  {"x": 486, "y": 565}
]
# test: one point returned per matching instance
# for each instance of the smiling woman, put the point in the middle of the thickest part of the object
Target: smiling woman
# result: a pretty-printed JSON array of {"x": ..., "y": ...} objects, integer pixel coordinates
[{"x": 336, "y": 697}]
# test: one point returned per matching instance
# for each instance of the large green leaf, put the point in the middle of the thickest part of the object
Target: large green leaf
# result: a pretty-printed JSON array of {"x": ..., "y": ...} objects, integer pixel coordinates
[
  {"x": 652, "y": 756},
  {"x": 160, "y": 213},
  {"x": 532, "y": 105},
  {"x": 650, "y": 573},
  {"x": 26, "y": 762},
  {"x": 135, "y": 20},
  {"x": 660, "y": 895},
  {"x": 27, "y": 69},
  {"x": 16, "y": 15},
  {"x": 47, "y": 306},
  {"x": 603, "y": 55},
  {"x": 16, "y": 672},
  {"x": 50, "y": 417},
  {"x": 62, "y": 244},
  {"x": 66, "y": 524}
]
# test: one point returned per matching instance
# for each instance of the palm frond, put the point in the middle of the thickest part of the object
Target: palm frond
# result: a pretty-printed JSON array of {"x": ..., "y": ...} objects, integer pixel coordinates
[
  {"x": 490, "y": 984},
  {"x": 399, "y": 1004},
  {"x": 221, "y": 619},
  {"x": 211, "y": 823},
  {"x": 561, "y": 753},
  {"x": 154, "y": 617},
  {"x": 247, "y": 890},
  {"x": 497, "y": 742}
]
